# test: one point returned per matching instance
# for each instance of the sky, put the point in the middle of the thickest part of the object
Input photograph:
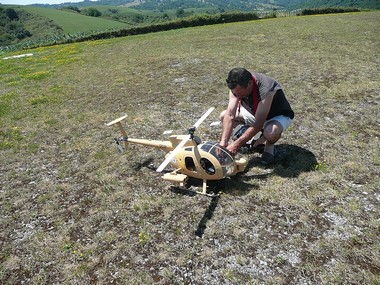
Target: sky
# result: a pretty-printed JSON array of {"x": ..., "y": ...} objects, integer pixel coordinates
[{"x": 29, "y": 2}]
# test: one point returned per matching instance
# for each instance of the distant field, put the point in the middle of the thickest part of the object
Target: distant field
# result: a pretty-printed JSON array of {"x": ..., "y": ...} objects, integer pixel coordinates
[
  {"x": 73, "y": 23},
  {"x": 75, "y": 211}
]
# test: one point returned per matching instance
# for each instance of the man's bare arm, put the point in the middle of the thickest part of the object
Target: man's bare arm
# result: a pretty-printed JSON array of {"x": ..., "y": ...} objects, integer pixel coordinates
[
  {"x": 228, "y": 119},
  {"x": 261, "y": 115}
]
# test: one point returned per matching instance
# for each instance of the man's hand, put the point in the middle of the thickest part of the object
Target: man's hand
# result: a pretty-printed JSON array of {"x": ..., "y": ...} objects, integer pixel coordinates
[{"x": 233, "y": 148}]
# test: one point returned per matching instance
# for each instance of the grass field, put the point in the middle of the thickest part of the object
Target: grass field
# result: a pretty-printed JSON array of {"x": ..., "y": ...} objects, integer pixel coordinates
[{"x": 74, "y": 211}]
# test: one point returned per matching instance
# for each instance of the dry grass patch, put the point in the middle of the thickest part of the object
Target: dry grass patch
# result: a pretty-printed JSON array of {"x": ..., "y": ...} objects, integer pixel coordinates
[{"x": 76, "y": 212}]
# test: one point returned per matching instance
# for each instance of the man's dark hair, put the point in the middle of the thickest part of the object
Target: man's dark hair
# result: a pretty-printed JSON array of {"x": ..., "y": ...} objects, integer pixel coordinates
[{"x": 238, "y": 76}]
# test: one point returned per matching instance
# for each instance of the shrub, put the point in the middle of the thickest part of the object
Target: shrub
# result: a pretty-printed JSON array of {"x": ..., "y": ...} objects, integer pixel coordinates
[
  {"x": 93, "y": 12},
  {"x": 16, "y": 30},
  {"x": 180, "y": 13},
  {"x": 329, "y": 10},
  {"x": 73, "y": 8},
  {"x": 11, "y": 14}
]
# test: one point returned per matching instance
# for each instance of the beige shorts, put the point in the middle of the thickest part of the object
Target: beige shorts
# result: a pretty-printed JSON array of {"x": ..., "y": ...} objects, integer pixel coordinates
[{"x": 249, "y": 119}]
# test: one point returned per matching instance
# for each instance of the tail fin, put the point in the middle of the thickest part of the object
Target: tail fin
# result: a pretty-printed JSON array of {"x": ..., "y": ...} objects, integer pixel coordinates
[{"x": 121, "y": 128}]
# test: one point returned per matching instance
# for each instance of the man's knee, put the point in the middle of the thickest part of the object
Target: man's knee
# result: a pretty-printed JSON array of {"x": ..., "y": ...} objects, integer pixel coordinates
[{"x": 273, "y": 131}]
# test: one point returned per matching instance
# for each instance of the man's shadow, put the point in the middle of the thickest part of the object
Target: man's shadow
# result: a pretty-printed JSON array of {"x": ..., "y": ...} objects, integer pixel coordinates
[{"x": 290, "y": 161}]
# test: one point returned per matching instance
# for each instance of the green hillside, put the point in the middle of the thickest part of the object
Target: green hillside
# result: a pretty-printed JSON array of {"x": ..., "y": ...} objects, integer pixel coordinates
[
  {"x": 72, "y": 22},
  {"x": 37, "y": 24},
  {"x": 75, "y": 211},
  {"x": 25, "y": 24}
]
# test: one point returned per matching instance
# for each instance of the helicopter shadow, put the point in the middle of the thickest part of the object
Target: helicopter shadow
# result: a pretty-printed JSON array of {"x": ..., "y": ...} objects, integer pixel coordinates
[
  {"x": 148, "y": 163},
  {"x": 225, "y": 186},
  {"x": 202, "y": 225},
  {"x": 215, "y": 188}
]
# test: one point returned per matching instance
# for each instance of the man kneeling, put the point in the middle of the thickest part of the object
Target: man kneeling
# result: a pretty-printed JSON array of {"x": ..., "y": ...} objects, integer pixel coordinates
[{"x": 259, "y": 102}]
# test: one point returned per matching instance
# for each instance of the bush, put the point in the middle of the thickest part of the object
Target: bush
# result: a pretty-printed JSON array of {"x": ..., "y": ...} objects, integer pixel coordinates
[
  {"x": 11, "y": 14},
  {"x": 73, "y": 8},
  {"x": 16, "y": 30},
  {"x": 329, "y": 10},
  {"x": 93, "y": 12},
  {"x": 180, "y": 13}
]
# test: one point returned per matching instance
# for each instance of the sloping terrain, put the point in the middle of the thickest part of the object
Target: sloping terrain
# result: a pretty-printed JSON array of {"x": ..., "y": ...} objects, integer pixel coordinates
[
  {"x": 72, "y": 22},
  {"x": 75, "y": 211}
]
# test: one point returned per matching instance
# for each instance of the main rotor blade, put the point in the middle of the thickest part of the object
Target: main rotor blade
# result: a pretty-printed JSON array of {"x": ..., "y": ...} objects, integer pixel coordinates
[
  {"x": 172, "y": 154},
  {"x": 168, "y": 132},
  {"x": 205, "y": 115},
  {"x": 183, "y": 142},
  {"x": 216, "y": 123},
  {"x": 117, "y": 120}
]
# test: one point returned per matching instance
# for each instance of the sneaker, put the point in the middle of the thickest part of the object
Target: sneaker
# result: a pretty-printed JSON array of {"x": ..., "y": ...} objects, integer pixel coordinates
[
  {"x": 268, "y": 158},
  {"x": 248, "y": 148},
  {"x": 259, "y": 148}
]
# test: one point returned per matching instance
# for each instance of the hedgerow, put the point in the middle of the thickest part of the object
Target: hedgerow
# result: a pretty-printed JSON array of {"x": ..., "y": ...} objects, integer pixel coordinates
[
  {"x": 193, "y": 21},
  {"x": 328, "y": 10}
]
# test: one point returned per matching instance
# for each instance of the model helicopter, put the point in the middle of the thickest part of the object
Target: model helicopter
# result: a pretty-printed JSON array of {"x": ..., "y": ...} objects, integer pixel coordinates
[{"x": 189, "y": 156}]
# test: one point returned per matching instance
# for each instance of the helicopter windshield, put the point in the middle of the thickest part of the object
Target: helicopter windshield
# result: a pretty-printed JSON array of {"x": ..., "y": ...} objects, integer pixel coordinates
[{"x": 219, "y": 152}]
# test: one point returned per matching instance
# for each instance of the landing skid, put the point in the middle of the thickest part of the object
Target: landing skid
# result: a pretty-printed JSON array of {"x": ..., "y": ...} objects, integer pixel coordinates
[
  {"x": 183, "y": 182},
  {"x": 196, "y": 189}
]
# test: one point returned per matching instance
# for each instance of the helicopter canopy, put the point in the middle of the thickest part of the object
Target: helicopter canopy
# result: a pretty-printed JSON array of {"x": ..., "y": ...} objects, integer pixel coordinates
[
  {"x": 222, "y": 164},
  {"x": 220, "y": 153}
]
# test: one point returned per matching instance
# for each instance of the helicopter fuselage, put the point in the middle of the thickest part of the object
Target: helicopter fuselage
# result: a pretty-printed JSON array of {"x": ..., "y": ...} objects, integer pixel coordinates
[
  {"x": 208, "y": 160},
  {"x": 189, "y": 156}
]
